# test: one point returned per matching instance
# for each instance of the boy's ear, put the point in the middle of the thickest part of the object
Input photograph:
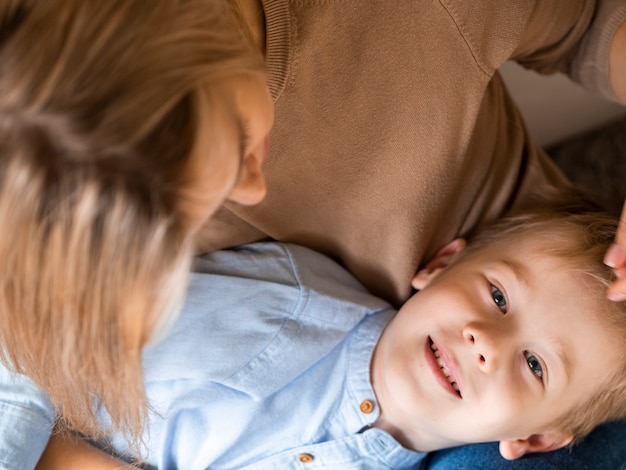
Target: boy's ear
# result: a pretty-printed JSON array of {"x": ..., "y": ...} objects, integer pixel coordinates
[
  {"x": 512, "y": 450},
  {"x": 442, "y": 259}
]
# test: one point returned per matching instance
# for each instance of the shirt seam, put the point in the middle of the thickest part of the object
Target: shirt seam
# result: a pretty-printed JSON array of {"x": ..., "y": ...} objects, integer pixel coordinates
[{"x": 451, "y": 14}]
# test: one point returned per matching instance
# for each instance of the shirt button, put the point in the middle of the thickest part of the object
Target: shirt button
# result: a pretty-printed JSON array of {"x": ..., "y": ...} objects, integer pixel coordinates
[
  {"x": 305, "y": 458},
  {"x": 367, "y": 406}
]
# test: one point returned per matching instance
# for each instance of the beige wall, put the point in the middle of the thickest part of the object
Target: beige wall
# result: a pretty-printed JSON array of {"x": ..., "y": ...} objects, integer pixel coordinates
[{"x": 554, "y": 107}]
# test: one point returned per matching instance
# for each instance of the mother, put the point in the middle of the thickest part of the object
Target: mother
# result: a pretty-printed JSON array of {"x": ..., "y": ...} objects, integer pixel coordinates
[{"x": 125, "y": 124}]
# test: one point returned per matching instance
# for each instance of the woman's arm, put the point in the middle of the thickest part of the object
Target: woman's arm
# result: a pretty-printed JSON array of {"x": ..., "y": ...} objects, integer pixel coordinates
[{"x": 68, "y": 452}]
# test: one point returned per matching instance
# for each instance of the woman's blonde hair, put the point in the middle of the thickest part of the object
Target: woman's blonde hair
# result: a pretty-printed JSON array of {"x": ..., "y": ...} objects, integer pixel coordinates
[{"x": 98, "y": 116}]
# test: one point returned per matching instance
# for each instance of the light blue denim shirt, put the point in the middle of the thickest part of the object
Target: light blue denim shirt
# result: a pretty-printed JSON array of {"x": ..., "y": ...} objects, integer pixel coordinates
[
  {"x": 268, "y": 365},
  {"x": 26, "y": 421}
]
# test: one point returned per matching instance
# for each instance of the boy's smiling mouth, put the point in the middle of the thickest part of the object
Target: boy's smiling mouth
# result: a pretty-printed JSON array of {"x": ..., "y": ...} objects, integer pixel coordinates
[{"x": 442, "y": 372}]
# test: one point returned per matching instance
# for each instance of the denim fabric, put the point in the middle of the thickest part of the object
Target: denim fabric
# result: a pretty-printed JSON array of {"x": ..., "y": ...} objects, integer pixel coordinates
[
  {"x": 268, "y": 360},
  {"x": 26, "y": 422},
  {"x": 603, "y": 449}
]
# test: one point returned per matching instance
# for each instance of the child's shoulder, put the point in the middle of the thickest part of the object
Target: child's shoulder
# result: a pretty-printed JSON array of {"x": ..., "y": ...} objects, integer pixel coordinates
[
  {"x": 312, "y": 273},
  {"x": 249, "y": 308}
]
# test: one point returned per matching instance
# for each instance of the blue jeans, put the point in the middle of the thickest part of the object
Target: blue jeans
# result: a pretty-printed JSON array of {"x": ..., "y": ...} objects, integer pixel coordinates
[{"x": 603, "y": 449}]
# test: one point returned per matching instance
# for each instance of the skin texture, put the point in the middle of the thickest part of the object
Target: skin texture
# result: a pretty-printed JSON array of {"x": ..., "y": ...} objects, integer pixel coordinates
[
  {"x": 70, "y": 452},
  {"x": 497, "y": 319},
  {"x": 241, "y": 112}
]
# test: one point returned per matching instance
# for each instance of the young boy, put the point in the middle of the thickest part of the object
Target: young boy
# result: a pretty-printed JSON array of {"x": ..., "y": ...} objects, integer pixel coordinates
[{"x": 281, "y": 359}]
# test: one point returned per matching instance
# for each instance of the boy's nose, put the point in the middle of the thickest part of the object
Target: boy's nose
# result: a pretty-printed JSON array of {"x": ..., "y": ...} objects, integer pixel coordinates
[{"x": 486, "y": 344}]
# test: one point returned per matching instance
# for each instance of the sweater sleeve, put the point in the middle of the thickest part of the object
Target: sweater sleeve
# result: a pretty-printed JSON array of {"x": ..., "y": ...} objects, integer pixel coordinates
[
  {"x": 583, "y": 52},
  {"x": 538, "y": 34},
  {"x": 570, "y": 36},
  {"x": 590, "y": 64}
]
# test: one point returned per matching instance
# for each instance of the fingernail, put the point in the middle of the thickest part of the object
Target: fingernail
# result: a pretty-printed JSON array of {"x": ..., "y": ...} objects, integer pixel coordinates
[
  {"x": 615, "y": 255},
  {"x": 617, "y": 296}
]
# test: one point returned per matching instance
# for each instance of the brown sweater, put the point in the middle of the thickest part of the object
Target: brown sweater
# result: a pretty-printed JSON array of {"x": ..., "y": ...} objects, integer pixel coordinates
[{"x": 394, "y": 133}]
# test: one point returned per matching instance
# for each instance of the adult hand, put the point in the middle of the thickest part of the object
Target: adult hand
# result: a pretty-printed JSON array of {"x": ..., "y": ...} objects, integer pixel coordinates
[{"x": 616, "y": 258}]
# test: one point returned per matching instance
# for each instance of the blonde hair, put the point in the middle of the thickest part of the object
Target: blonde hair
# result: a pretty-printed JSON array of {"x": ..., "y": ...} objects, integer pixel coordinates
[
  {"x": 98, "y": 116},
  {"x": 580, "y": 235}
]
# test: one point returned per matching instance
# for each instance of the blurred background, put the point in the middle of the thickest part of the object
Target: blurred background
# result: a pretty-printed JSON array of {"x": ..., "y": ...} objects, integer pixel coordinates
[
  {"x": 584, "y": 134},
  {"x": 555, "y": 108}
]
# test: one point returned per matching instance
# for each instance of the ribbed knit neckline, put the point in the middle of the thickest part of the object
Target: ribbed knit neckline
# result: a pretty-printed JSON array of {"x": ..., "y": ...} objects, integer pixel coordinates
[{"x": 277, "y": 36}]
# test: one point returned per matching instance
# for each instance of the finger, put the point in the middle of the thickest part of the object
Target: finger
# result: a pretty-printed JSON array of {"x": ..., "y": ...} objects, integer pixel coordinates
[
  {"x": 620, "y": 238},
  {"x": 616, "y": 254},
  {"x": 617, "y": 290}
]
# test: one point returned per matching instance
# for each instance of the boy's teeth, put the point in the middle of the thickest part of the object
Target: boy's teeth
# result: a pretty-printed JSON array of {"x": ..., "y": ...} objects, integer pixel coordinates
[{"x": 445, "y": 371}]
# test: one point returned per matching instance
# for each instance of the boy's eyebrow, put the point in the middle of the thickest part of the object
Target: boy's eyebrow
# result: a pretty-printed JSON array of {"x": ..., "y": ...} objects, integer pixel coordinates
[
  {"x": 567, "y": 364},
  {"x": 519, "y": 270},
  {"x": 521, "y": 274}
]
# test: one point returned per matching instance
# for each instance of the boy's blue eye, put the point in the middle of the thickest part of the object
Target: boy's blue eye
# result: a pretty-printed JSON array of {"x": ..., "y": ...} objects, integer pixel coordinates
[
  {"x": 534, "y": 364},
  {"x": 499, "y": 299}
]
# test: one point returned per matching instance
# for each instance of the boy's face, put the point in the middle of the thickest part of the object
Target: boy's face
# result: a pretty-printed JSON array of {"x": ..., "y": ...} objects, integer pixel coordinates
[{"x": 516, "y": 332}]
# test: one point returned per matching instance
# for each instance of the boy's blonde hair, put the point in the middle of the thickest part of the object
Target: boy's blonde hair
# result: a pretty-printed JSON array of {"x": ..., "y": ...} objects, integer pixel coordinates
[
  {"x": 580, "y": 235},
  {"x": 98, "y": 116}
]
